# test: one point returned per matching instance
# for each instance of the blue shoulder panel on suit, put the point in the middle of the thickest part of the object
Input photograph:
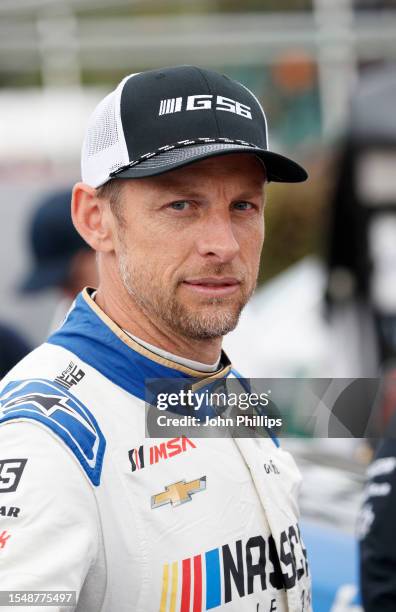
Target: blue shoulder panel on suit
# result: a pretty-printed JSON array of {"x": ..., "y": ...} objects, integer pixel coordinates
[{"x": 49, "y": 403}]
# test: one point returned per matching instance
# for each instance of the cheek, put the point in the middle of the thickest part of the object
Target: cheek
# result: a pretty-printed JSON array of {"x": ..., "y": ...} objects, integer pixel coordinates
[
  {"x": 251, "y": 241},
  {"x": 152, "y": 264},
  {"x": 170, "y": 252},
  {"x": 160, "y": 243}
]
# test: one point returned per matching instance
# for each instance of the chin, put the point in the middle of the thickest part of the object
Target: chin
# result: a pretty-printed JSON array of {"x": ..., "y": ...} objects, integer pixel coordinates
[{"x": 209, "y": 325}]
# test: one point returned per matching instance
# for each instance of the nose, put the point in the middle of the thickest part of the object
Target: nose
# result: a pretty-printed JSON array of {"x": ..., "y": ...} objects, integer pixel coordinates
[{"x": 217, "y": 239}]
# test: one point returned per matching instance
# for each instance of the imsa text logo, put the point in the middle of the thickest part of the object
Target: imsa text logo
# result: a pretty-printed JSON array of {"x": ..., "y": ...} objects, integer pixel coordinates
[{"x": 138, "y": 456}]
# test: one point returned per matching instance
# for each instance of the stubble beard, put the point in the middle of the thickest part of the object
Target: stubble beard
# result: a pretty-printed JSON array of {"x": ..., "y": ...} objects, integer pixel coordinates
[{"x": 215, "y": 318}]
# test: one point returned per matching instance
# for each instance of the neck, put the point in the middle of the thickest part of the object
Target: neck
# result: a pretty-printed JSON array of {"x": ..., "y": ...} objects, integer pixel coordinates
[{"x": 123, "y": 310}]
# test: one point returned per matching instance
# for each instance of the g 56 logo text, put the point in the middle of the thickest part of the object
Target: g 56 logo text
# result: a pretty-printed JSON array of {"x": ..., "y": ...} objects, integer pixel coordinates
[{"x": 204, "y": 102}]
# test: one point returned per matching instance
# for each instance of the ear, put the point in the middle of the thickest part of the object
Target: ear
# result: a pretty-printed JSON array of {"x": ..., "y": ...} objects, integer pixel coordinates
[{"x": 91, "y": 218}]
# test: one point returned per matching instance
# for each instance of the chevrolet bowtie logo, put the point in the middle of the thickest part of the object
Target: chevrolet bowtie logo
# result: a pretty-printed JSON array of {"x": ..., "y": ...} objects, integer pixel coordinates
[{"x": 178, "y": 493}]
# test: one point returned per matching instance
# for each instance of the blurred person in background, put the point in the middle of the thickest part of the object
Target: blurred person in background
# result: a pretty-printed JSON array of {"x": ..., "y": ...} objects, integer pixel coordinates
[
  {"x": 362, "y": 255},
  {"x": 62, "y": 260},
  {"x": 174, "y": 167},
  {"x": 362, "y": 294},
  {"x": 376, "y": 524},
  {"x": 376, "y": 521},
  {"x": 13, "y": 347}
]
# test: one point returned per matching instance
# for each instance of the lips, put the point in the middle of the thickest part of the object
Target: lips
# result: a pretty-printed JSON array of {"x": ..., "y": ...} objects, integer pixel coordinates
[{"x": 212, "y": 285}]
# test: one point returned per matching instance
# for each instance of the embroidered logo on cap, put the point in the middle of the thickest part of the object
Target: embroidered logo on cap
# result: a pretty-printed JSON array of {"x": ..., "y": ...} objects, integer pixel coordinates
[{"x": 169, "y": 106}]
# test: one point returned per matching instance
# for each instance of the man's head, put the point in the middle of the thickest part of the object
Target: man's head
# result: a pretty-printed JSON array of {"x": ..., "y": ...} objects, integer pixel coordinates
[{"x": 174, "y": 165}]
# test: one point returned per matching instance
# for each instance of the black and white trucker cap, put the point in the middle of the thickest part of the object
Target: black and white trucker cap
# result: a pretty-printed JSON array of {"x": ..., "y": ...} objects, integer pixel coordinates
[{"x": 160, "y": 120}]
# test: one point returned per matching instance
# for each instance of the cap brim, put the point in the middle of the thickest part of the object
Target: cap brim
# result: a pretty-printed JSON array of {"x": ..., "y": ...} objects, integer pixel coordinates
[
  {"x": 279, "y": 169},
  {"x": 44, "y": 276}
]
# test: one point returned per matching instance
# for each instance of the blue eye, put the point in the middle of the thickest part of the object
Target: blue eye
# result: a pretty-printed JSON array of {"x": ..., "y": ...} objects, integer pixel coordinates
[
  {"x": 181, "y": 205},
  {"x": 243, "y": 205}
]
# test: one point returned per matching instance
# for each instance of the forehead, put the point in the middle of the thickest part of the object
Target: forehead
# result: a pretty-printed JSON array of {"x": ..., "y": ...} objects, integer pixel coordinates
[{"x": 242, "y": 169}]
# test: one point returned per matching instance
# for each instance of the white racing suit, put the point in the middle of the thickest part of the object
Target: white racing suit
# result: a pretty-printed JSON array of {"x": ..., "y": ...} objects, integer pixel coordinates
[{"x": 135, "y": 524}]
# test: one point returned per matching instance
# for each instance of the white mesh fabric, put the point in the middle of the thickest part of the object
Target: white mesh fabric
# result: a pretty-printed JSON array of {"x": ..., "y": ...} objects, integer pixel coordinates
[
  {"x": 104, "y": 149},
  {"x": 103, "y": 131}
]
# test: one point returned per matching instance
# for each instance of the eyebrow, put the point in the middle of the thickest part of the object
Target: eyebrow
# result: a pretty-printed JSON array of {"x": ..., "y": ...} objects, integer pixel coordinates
[{"x": 187, "y": 192}]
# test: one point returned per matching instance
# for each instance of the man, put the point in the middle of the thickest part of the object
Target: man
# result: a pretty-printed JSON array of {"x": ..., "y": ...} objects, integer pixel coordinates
[
  {"x": 174, "y": 163},
  {"x": 62, "y": 259}
]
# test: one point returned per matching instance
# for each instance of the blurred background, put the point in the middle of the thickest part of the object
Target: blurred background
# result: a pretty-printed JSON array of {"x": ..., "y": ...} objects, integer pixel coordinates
[{"x": 325, "y": 71}]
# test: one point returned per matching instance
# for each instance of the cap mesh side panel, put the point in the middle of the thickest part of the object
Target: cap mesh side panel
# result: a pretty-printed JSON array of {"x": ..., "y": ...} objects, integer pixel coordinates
[
  {"x": 102, "y": 150},
  {"x": 102, "y": 132}
]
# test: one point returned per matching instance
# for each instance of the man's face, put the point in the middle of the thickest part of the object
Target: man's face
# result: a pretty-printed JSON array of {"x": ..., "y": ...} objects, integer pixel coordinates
[{"x": 189, "y": 243}]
